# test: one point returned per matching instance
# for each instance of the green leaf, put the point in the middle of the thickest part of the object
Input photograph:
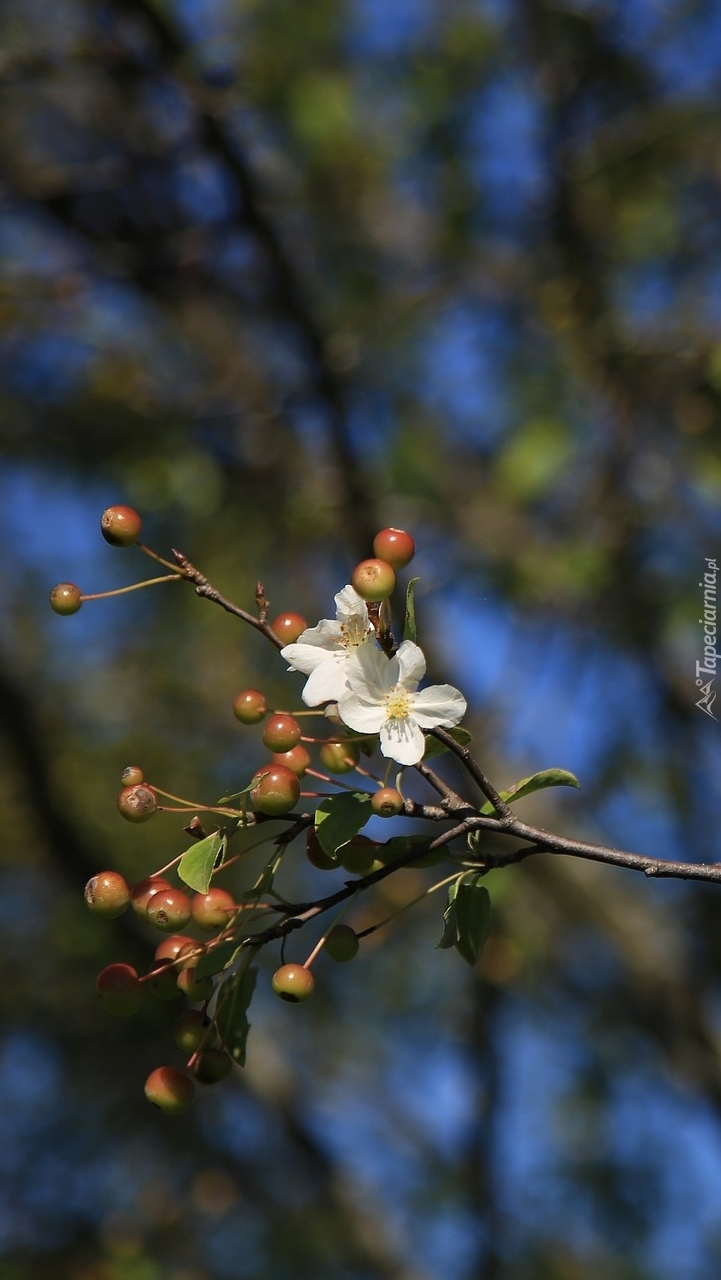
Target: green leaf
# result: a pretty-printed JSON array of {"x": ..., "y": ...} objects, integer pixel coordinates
[
  {"x": 436, "y": 748},
  {"x": 339, "y": 818},
  {"x": 198, "y": 862},
  {"x": 410, "y": 631},
  {"x": 537, "y": 782},
  {"x": 231, "y": 1012},
  {"x": 217, "y": 959},
  {"x": 450, "y": 923},
  {"x": 473, "y": 917}
]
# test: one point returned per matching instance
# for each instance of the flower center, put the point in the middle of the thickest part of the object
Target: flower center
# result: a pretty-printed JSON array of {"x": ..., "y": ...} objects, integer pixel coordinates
[
  {"x": 398, "y": 703},
  {"x": 353, "y": 633}
]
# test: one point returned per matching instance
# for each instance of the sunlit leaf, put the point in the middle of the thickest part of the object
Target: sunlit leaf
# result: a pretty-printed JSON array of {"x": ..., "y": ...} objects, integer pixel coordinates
[
  {"x": 199, "y": 861},
  {"x": 410, "y": 630},
  {"x": 537, "y": 782}
]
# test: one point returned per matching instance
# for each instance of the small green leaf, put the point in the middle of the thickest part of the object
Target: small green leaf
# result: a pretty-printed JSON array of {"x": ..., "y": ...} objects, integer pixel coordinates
[
  {"x": 473, "y": 917},
  {"x": 537, "y": 782},
  {"x": 217, "y": 959},
  {"x": 231, "y": 1012},
  {"x": 450, "y": 923},
  {"x": 410, "y": 631},
  {"x": 198, "y": 862},
  {"x": 339, "y": 818},
  {"x": 436, "y": 748}
]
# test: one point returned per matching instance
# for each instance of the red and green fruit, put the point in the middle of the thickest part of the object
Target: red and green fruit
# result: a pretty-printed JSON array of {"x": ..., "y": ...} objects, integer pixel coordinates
[
  {"x": 395, "y": 546},
  {"x": 387, "y": 802},
  {"x": 288, "y": 626},
  {"x": 293, "y": 982},
  {"x": 107, "y": 894},
  {"x": 137, "y": 804},
  {"x": 212, "y": 910},
  {"x": 342, "y": 943},
  {"x": 120, "y": 989},
  {"x": 339, "y": 755},
  {"x": 373, "y": 579},
  {"x": 168, "y": 910},
  {"x": 276, "y": 790},
  {"x": 212, "y": 1065},
  {"x": 250, "y": 706},
  {"x": 281, "y": 733},
  {"x": 297, "y": 759},
  {"x": 169, "y": 1090},
  {"x": 120, "y": 526},
  {"x": 65, "y": 599}
]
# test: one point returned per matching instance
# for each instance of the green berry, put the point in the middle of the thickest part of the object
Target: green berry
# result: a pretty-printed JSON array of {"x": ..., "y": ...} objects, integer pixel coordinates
[
  {"x": 250, "y": 706},
  {"x": 387, "y": 802},
  {"x": 297, "y": 759},
  {"x": 276, "y": 789},
  {"x": 131, "y": 776},
  {"x": 137, "y": 804},
  {"x": 212, "y": 910},
  {"x": 281, "y": 733},
  {"x": 65, "y": 598},
  {"x": 342, "y": 943},
  {"x": 191, "y": 1029},
  {"x": 196, "y": 989},
  {"x": 358, "y": 855},
  {"x": 339, "y": 755},
  {"x": 288, "y": 626},
  {"x": 395, "y": 546},
  {"x": 107, "y": 894},
  {"x": 120, "y": 989},
  {"x": 373, "y": 580},
  {"x": 293, "y": 982},
  {"x": 169, "y": 1090},
  {"x": 120, "y": 526},
  {"x": 212, "y": 1065},
  {"x": 168, "y": 910}
]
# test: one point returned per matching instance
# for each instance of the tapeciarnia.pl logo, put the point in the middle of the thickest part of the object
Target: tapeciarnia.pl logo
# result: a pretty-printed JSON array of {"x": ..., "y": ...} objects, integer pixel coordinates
[{"x": 708, "y": 622}]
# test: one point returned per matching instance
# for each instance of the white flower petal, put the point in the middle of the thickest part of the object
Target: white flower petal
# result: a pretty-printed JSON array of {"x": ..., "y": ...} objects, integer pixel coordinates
[
  {"x": 439, "y": 705},
  {"x": 370, "y": 674},
  {"x": 348, "y": 604},
  {"x": 326, "y": 635},
  {"x": 361, "y": 716},
  {"x": 305, "y": 657},
  {"x": 411, "y": 664},
  {"x": 326, "y": 683},
  {"x": 402, "y": 740}
]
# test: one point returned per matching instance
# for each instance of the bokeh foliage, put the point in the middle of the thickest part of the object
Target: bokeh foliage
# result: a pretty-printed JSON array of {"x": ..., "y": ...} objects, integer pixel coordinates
[{"x": 277, "y": 275}]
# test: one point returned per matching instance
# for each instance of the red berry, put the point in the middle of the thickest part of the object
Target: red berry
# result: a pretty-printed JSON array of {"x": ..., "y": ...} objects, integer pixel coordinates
[
  {"x": 281, "y": 733},
  {"x": 373, "y": 580},
  {"x": 169, "y": 1090},
  {"x": 107, "y": 894},
  {"x": 131, "y": 776},
  {"x": 168, "y": 909},
  {"x": 120, "y": 989},
  {"x": 276, "y": 789},
  {"x": 137, "y": 803},
  {"x": 65, "y": 598},
  {"x": 212, "y": 1066},
  {"x": 293, "y": 983},
  {"x": 395, "y": 546},
  {"x": 297, "y": 759},
  {"x": 170, "y": 948},
  {"x": 142, "y": 891},
  {"x": 196, "y": 989},
  {"x": 120, "y": 526},
  {"x": 339, "y": 755},
  {"x": 387, "y": 802},
  {"x": 288, "y": 626},
  {"x": 189, "y": 955},
  {"x": 250, "y": 706},
  {"x": 342, "y": 943},
  {"x": 212, "y": 910},
  {"x": 192, "y": 1029},
  {"x": 316, "y": 854}
]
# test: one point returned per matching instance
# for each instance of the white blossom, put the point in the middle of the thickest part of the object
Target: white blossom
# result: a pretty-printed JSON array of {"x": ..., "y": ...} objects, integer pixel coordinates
[
  {"x": 381, "y": 696},
  {"x": 322, "y": 653}
]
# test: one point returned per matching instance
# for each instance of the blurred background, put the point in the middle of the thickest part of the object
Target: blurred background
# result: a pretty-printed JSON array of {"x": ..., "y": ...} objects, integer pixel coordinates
[{"x": 279, "y": 275}]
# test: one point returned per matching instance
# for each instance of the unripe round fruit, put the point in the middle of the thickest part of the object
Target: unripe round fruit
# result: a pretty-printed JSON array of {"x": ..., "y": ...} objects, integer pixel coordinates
[
  {"x": 169, "y": 948},
  {"x": 358, "y": 855},
  {"x": 137, "y": 803},
  {"x": 120, "y": 526},
  {"x": 373, "y": 580},
  {"x": 196, "y": 989},
  {"x": 120, "y": 989},
  {"x": 250, "y": 706},
  {"x": 276, "y": 789},
  {"x": 293, "y": 983},
  {"x": 192, "y": 1029},
  {"x": 169, "y": 1090},
  {"x": 212, "y": 910},
  {"x": 65, "y": 599},
  {"x": 142, "y": 891},
  {"x": 342, "y": 943},
  {"x": 387, "y": 802},
  {"x": 297, "y": 759},
  {"x": 168, "y": 910},
  {"x": 316, "y": 854},
  {"x": 339, "y": 755},
  {"x": 163, "y": 981},
  {"x": 395, "y": 546},
  {"x": 131, "y": 776},
  {"x": 281, "y": 733},
  {"x": 107, "y": 894},
  {"x": 212, "y": 1065},
  {"x": 288, "y": 626}
]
